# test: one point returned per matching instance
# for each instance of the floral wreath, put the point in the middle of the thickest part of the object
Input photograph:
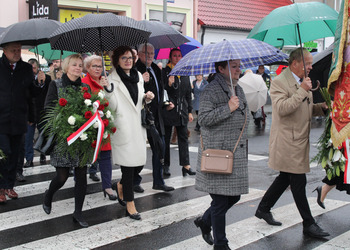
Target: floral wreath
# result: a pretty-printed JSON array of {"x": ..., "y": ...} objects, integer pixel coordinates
[{"x": 71, "y": 113}]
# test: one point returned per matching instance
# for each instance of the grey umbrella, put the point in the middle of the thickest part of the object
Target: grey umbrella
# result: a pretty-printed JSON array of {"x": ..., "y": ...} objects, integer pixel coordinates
[
  {"x": 163, "y": 35},
  {"x": 98, "y": 32},
  {"x": 30, "y": 32}
]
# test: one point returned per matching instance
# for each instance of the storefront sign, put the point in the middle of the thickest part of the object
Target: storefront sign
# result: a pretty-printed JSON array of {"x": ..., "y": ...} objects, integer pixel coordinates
[{"x": 43, "y": 9}]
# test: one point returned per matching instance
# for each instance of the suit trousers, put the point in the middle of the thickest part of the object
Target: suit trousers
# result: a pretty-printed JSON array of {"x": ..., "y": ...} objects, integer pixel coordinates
[
  {"x": 105, "y": 165},
  {"x": 10, "y": 146},
  {"x": 297, "y": 184},
  {"x": 215, "y": 216},
  {"x": 127, "y": 181},
  {"x": 157, "y": 167},
  {"x": 182, "y": 140}
]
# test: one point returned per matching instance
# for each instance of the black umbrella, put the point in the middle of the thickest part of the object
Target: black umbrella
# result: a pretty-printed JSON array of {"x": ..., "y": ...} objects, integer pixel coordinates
[
  {"x": 163, "y": 35},
  {"x": 98, "y": 32},
  {"x": 30, "y": 32}
]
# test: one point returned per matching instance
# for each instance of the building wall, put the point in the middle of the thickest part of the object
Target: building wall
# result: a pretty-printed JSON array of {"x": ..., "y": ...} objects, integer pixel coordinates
[{"x": 217, "y": 35}]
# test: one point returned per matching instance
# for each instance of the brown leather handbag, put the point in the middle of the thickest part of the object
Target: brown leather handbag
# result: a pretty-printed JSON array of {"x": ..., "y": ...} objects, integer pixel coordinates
[{"x": 218, "y": 161}]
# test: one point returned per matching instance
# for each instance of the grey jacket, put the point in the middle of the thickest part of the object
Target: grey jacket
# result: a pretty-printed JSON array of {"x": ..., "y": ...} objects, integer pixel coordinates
[{"x": 220, "y": 130}]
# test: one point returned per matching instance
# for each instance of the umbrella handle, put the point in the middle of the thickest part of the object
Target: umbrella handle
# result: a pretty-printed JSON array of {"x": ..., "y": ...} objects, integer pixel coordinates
[
  {"x": 317, "y": 87},
  {"x": 112, "y": 88}
]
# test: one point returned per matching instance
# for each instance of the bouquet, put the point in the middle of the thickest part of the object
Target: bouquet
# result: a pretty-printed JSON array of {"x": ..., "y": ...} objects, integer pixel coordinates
[
  {"x": 73, "y": 112},
  {"x": 331, "y": 158}
]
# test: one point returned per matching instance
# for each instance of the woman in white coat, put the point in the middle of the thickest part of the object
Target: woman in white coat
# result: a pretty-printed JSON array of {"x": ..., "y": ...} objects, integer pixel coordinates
[{"x": 126, "y": 99}]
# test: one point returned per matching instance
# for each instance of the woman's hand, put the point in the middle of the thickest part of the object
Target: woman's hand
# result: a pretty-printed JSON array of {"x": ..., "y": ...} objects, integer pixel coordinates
[
  {"x": 170, "y": 106},
  {"x": 171, "y": 80},
  {"x": 145, "y": 77},
  {"x": 104, "y": 82},
  {"x": 190, "y": 117},
  {"x": 149, "y": 96},
  {"x": 233, "y": 103}
]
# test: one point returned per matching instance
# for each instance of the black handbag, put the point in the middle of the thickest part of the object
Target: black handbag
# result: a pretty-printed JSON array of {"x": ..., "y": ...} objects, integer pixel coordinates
[
  {"x": 147, "y": 118},
  {"x": 44, "y": 144}
]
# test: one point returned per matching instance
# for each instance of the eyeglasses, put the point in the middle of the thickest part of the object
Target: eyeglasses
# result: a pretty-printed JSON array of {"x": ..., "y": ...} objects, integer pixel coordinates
[
  {"x": 96, "y": 66},
  {"x": 124, "y": 58}
]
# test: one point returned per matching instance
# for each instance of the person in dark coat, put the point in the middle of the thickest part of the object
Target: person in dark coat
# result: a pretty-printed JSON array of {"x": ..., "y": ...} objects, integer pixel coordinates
[
  {"x": 179, "y": 92},
  {"x": 16, "y": 90},
  {"x": 198, "y": 86},
  {"x": 152, "y": 82}
]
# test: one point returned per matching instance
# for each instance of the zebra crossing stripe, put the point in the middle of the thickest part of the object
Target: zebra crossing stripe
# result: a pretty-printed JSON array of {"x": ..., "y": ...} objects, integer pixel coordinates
[
  {"x": 337, "y": 243},
  {"x": 237, "y": 233},
  {"x": 117, "y": 230}
]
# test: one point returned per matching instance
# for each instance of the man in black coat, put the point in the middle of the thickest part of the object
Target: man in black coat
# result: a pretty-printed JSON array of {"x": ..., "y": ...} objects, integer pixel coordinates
[
  {"x": 16, "y": 90},
  {"x": 152, "y": 82}
]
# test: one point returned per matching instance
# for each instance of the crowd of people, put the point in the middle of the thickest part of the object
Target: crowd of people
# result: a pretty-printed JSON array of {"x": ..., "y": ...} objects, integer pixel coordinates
[{"x": 222, "y": 113}]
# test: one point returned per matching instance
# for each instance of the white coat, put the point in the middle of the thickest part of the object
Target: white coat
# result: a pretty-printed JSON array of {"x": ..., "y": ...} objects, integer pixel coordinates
[{"x": 129, "y": 141}]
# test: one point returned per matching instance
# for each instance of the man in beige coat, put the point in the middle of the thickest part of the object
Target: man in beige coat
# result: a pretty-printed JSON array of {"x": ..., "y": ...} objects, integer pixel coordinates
[{"x": 292, "y": 111}]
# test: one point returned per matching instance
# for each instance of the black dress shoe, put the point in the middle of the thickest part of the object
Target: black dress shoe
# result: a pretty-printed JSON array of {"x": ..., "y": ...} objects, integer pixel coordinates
[
  {"x": 166, "y": 171},
  {"x": 135, "y": 216},
  {"x": 205, "y": 230},
  {"x": 138, "y": 189},
  {"x": 319, "y": 192},
  {"x": 28, "y": 164},
  {"x": 221, "y": 247},
  {"x": 20, "y": 177},
  {"x": 94, "y": 177},
  {"x": 163, "y": 187},
  {"x": 315, "y": 231},
  {"x": 79, "y": 219},
  {"x": 186, "y": 171},
  {"x": 267, "y": 217},
  {"x": 42, "y": 159}
]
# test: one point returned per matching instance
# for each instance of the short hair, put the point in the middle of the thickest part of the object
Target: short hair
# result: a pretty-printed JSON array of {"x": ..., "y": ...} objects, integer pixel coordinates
[
  {"x": 295, "y": 55},
  {"x": 49, "y": 64},
  {"x": 118, "y": 52},
  {"x": 6, "y": 45},
  {"x": 67, "y": 60},
  {"x": 88, "y": 60},
  {"x": 142, "y": 46},
  {"x": 32, "y": 61},
  {"x": 222, "y": 64}
]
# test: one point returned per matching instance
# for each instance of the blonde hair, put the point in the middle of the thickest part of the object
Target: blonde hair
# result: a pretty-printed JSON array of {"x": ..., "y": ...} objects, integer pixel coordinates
[{"x": 67, "y": 60}]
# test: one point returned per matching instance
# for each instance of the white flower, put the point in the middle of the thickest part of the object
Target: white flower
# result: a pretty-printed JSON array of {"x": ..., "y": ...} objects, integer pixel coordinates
[
  {"x": 112, "y": 118},
  {"x": 101, "y": 94},
  {"x": 105, "y": 135},
  {"x": 329, "y": 143},
  {"x": 87, "y": 102},
  {"x": 337, "y": 155},
  {"x": 95, "y": 125},
  {"x": 83, "y": 136},
  {"x": 71, "y": 120},
  {"x": 1, "y": 157},
  {"x": 108, "y": 114},
  {"x": 342, "y": 158}
]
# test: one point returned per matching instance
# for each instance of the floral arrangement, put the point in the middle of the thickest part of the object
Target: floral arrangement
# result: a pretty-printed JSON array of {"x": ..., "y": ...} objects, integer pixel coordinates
[
  {"x": 2, "y": 155},
  {"x": 70, "y": 113},
  {"x": 331, "y": 158}
]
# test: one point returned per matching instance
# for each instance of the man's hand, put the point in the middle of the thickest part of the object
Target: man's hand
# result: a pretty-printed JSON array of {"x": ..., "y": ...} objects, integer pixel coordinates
[
  {"x": 306, "y": 84},
  {"x": 41, "y": 77},
  {"x": 170, "y": 106},
  {"x": 145, "y": 77},
  {"x": 233, "y": 103}
]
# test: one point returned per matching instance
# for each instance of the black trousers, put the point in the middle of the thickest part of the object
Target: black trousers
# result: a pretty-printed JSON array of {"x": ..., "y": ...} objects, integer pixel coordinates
[
  {"x": 127, "y": 181},
  {"x": 10, "y": 146},
  {"x": 182, "y": 140},
  {"x": 215, "y": 216},
  {"x": 297, "y": 184}
]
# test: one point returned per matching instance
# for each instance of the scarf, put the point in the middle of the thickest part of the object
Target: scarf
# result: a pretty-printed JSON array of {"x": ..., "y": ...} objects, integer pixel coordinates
[
  {"x": 67, "y": 81},
  {"x": 130, "y": 82}
]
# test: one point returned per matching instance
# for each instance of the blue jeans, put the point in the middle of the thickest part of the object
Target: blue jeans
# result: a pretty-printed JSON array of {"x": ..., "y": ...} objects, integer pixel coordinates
[{"x": 28, "y": 142}]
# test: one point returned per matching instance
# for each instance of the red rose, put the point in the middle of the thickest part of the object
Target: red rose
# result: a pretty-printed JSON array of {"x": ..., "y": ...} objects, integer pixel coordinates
[
  {"x": 106, "y": 104},
  {"x": 86, "y": 95},
  {"x": 63, "y": 102},
  {"x": 114, "y": 129},
  {"x": 93, "y": 144},
  {"x": 101, "y": 107},
  {"x": 84, "y": 89},
  {"x": 105, "y": 122},
  {"x": 88, "y": 114}
]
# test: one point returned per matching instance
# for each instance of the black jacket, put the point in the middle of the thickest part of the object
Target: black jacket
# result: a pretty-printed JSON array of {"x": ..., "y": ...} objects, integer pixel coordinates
[
  {"x": 39, "y": 100},
  {"x": 179, "y": 94},
  {"x": 16, "y": 93},
  {"x": 156, "y": 106}
]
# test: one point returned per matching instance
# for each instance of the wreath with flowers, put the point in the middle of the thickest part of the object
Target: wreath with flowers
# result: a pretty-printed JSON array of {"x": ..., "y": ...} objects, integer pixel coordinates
[
  {"x": 331, "y": 158},
  {"x": 74, "y": 111}
]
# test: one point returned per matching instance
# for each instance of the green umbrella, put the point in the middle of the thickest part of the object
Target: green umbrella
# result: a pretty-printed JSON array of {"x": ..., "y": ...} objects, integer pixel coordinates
[
  {"x": 314, "y": 20},
  {"x": 50, "y": 54}
]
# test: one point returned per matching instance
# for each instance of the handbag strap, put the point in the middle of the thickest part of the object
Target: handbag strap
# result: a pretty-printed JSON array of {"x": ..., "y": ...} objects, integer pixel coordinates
[{"x": 239, "y": 138}]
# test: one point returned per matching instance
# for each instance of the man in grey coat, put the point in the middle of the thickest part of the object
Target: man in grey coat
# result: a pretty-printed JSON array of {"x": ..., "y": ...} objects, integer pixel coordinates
[{"x": 292, "y": 110}]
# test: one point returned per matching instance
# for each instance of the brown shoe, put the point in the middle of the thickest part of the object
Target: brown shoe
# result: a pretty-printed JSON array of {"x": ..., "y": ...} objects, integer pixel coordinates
[
  {"x": 11, "y": 193},
  {"x": 2, "y": 196}
]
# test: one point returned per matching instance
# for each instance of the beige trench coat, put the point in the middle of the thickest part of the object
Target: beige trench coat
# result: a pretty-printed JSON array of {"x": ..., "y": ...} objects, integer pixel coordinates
[{"x": 292, "y": 111}]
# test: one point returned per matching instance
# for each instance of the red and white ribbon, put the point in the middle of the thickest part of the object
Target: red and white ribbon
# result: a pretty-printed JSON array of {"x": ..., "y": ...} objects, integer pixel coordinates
[{"x": 101, "y": 128}]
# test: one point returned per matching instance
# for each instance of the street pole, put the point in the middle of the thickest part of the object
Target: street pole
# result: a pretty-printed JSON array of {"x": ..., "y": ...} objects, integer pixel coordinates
[{"x": 164, "y": 21}]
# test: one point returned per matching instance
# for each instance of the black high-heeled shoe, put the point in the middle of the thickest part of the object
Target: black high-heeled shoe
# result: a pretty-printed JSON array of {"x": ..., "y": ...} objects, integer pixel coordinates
[
  {"x": 135, "y": 216},
  {"x": 114, "y": 186},
  {"x": 112, "y": 197},
  {"x": 186, "y": 171},
  {"x": 46, "y": 208},
  {"x": 319, "y": 192},
  {"x": 79, "y": 219}
]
